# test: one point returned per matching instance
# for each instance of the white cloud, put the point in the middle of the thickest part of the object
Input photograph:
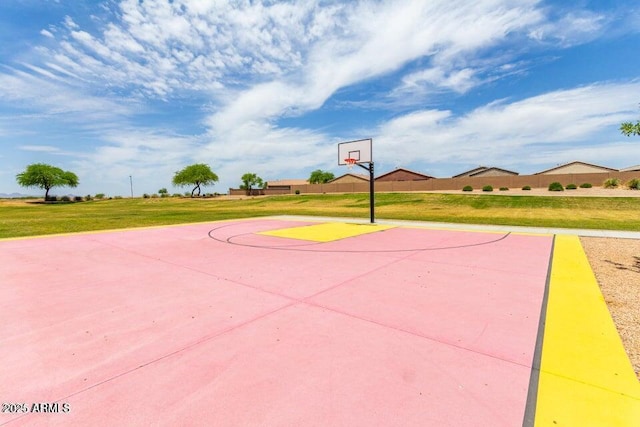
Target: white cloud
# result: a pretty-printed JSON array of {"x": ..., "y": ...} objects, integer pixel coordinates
[
  {"x": 376, "y": 39},
  {"x": 617, "y": 153},
  {"x": 269, "y": 151},
  {"x": 294, "y": 56},
  {"x": 251, "y": 63},
  {"x": 41, "y": 148},
  {"x": 458, "y": 80},
  {"x": 47, "y": 94},
  {"x": 513, "y": 133},
  {"x": 572, "y": 28},
  {"x": 165, "y": 47},
  {"x": 69, "y": 23},
  {"x": 150, "y": 155},
  {"x": 43, "y": 72}
]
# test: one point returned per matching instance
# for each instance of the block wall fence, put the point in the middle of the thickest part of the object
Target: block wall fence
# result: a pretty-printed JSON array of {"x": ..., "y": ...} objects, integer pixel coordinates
[{"x": 436, "y": 184}]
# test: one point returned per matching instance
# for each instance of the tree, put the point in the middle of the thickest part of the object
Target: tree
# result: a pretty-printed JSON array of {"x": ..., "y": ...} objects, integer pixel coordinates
[
  {"x": 320, "y": 177},
  {"x": 196, "y": 175},
  {"x": 163, "y": 192},
  {"x": 249, "y": 180},
  {"x": 46, "y": 177},
  {"x": 630, "y": 128}
]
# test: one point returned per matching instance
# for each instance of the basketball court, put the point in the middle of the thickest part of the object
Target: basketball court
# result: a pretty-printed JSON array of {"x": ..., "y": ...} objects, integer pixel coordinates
[{"x": 283, "y": 322}]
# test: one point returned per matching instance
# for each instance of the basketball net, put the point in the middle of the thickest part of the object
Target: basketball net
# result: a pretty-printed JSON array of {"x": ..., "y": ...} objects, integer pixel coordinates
[{"x": 350, "y": 163}]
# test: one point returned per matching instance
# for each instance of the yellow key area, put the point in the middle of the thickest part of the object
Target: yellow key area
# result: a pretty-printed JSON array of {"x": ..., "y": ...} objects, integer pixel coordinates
[
  {"x": 586, "y": 378},
  {"x": 327, "y": 232}
]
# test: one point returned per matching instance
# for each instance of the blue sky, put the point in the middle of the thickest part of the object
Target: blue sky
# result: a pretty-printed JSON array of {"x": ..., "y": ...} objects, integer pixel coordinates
[{"x": 143, "y": 88}]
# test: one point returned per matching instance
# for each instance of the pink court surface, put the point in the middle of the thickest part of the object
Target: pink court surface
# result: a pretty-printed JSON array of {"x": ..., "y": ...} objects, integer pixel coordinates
[{"x": 271, "y": 322}]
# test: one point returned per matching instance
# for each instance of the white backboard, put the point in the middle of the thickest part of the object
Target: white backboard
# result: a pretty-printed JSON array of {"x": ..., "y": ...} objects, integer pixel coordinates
[{"x": 359, "y": 150}]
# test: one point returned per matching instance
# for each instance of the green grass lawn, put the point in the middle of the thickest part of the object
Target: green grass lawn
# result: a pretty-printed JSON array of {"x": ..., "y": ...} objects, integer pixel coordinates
[{"x": 32, "y": 218}]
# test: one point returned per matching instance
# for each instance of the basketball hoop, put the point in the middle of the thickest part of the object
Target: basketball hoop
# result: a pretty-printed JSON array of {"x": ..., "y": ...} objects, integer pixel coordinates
[
  {"x": 350, "y": 163},
  {"x": 358, "y": 152}
]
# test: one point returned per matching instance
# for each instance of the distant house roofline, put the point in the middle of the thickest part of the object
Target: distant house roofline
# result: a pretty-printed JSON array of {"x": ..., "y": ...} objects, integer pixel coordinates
[
  {"x": 471, "y": 171},
  {"x": 631, "y": 169},
  {"x": 573, "y": 163},
  {"x": 355, "y": 175},
  {"x": 405, "y": 170},
  {"x": 482, "y": 169},
  {"x": 493, "y": 168}
]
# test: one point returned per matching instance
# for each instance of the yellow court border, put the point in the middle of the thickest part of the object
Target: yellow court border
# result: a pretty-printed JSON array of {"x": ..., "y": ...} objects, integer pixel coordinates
[{"x": 586, "y": 378}]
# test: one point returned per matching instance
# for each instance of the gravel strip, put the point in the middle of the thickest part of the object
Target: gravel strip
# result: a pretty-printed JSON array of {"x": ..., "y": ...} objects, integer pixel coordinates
[{"x": 616, "y": 264}]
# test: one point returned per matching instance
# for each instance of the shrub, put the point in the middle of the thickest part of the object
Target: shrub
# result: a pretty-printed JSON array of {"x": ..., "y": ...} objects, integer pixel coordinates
[
  {"x": 611, "y": 183},
  {"x": 100, "y": 196},
  {"x": 586, "y": 185},
  {"x": 154, "y": 196},
  {"x": 504, "y": 189},
  {"x": 487, "y": 188},
  {"x": 526, "y": 188},
  {"x": 297, "y": 191},
  {"x": 176, "y": 195},
  {"x": 571, "y": 187},
  {"x": 51, "y": 199},
  {"x": 634, "y": 184},
  {"x": 77, "y": 199},
  {"x": 145, "y": 195},
  {"x": 467, "y": 188},
  {"x": 117, "y": 197},
  {"x": 65, "y": 198},
  {"x": 556, "y": 186}
]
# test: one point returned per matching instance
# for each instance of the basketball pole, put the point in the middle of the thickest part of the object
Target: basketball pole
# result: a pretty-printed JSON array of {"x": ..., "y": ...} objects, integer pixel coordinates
[
  {"x": 371, "y": 191},
  {"x": 359, "y": 152},
  {"x": 371, "y": 194}
]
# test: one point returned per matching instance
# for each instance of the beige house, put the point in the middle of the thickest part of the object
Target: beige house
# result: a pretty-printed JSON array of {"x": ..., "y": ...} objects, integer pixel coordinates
[
  {"x": 281, "y": 186},
  {"x": 635, "y": 168},
  {"x": 576, "y": 167},
  {"x": 486, "y": 171},
  {"x": 285, "y": 184},
  {"x": 402, "y": 174},
  {"x": 349, "y": 178}
]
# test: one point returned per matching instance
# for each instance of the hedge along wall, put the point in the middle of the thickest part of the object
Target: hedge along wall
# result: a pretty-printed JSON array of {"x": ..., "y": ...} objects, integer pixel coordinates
[{"x": 515, "y": 181}]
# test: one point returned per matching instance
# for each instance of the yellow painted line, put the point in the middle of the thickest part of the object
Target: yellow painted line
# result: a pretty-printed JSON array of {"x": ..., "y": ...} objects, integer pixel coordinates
[
  {"x": 586, "y": 378},
  {"x": 326, "y": 232}
]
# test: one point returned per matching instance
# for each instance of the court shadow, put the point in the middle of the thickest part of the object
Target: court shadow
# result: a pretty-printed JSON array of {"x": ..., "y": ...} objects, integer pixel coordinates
[{"x": 633, "y": 266}]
